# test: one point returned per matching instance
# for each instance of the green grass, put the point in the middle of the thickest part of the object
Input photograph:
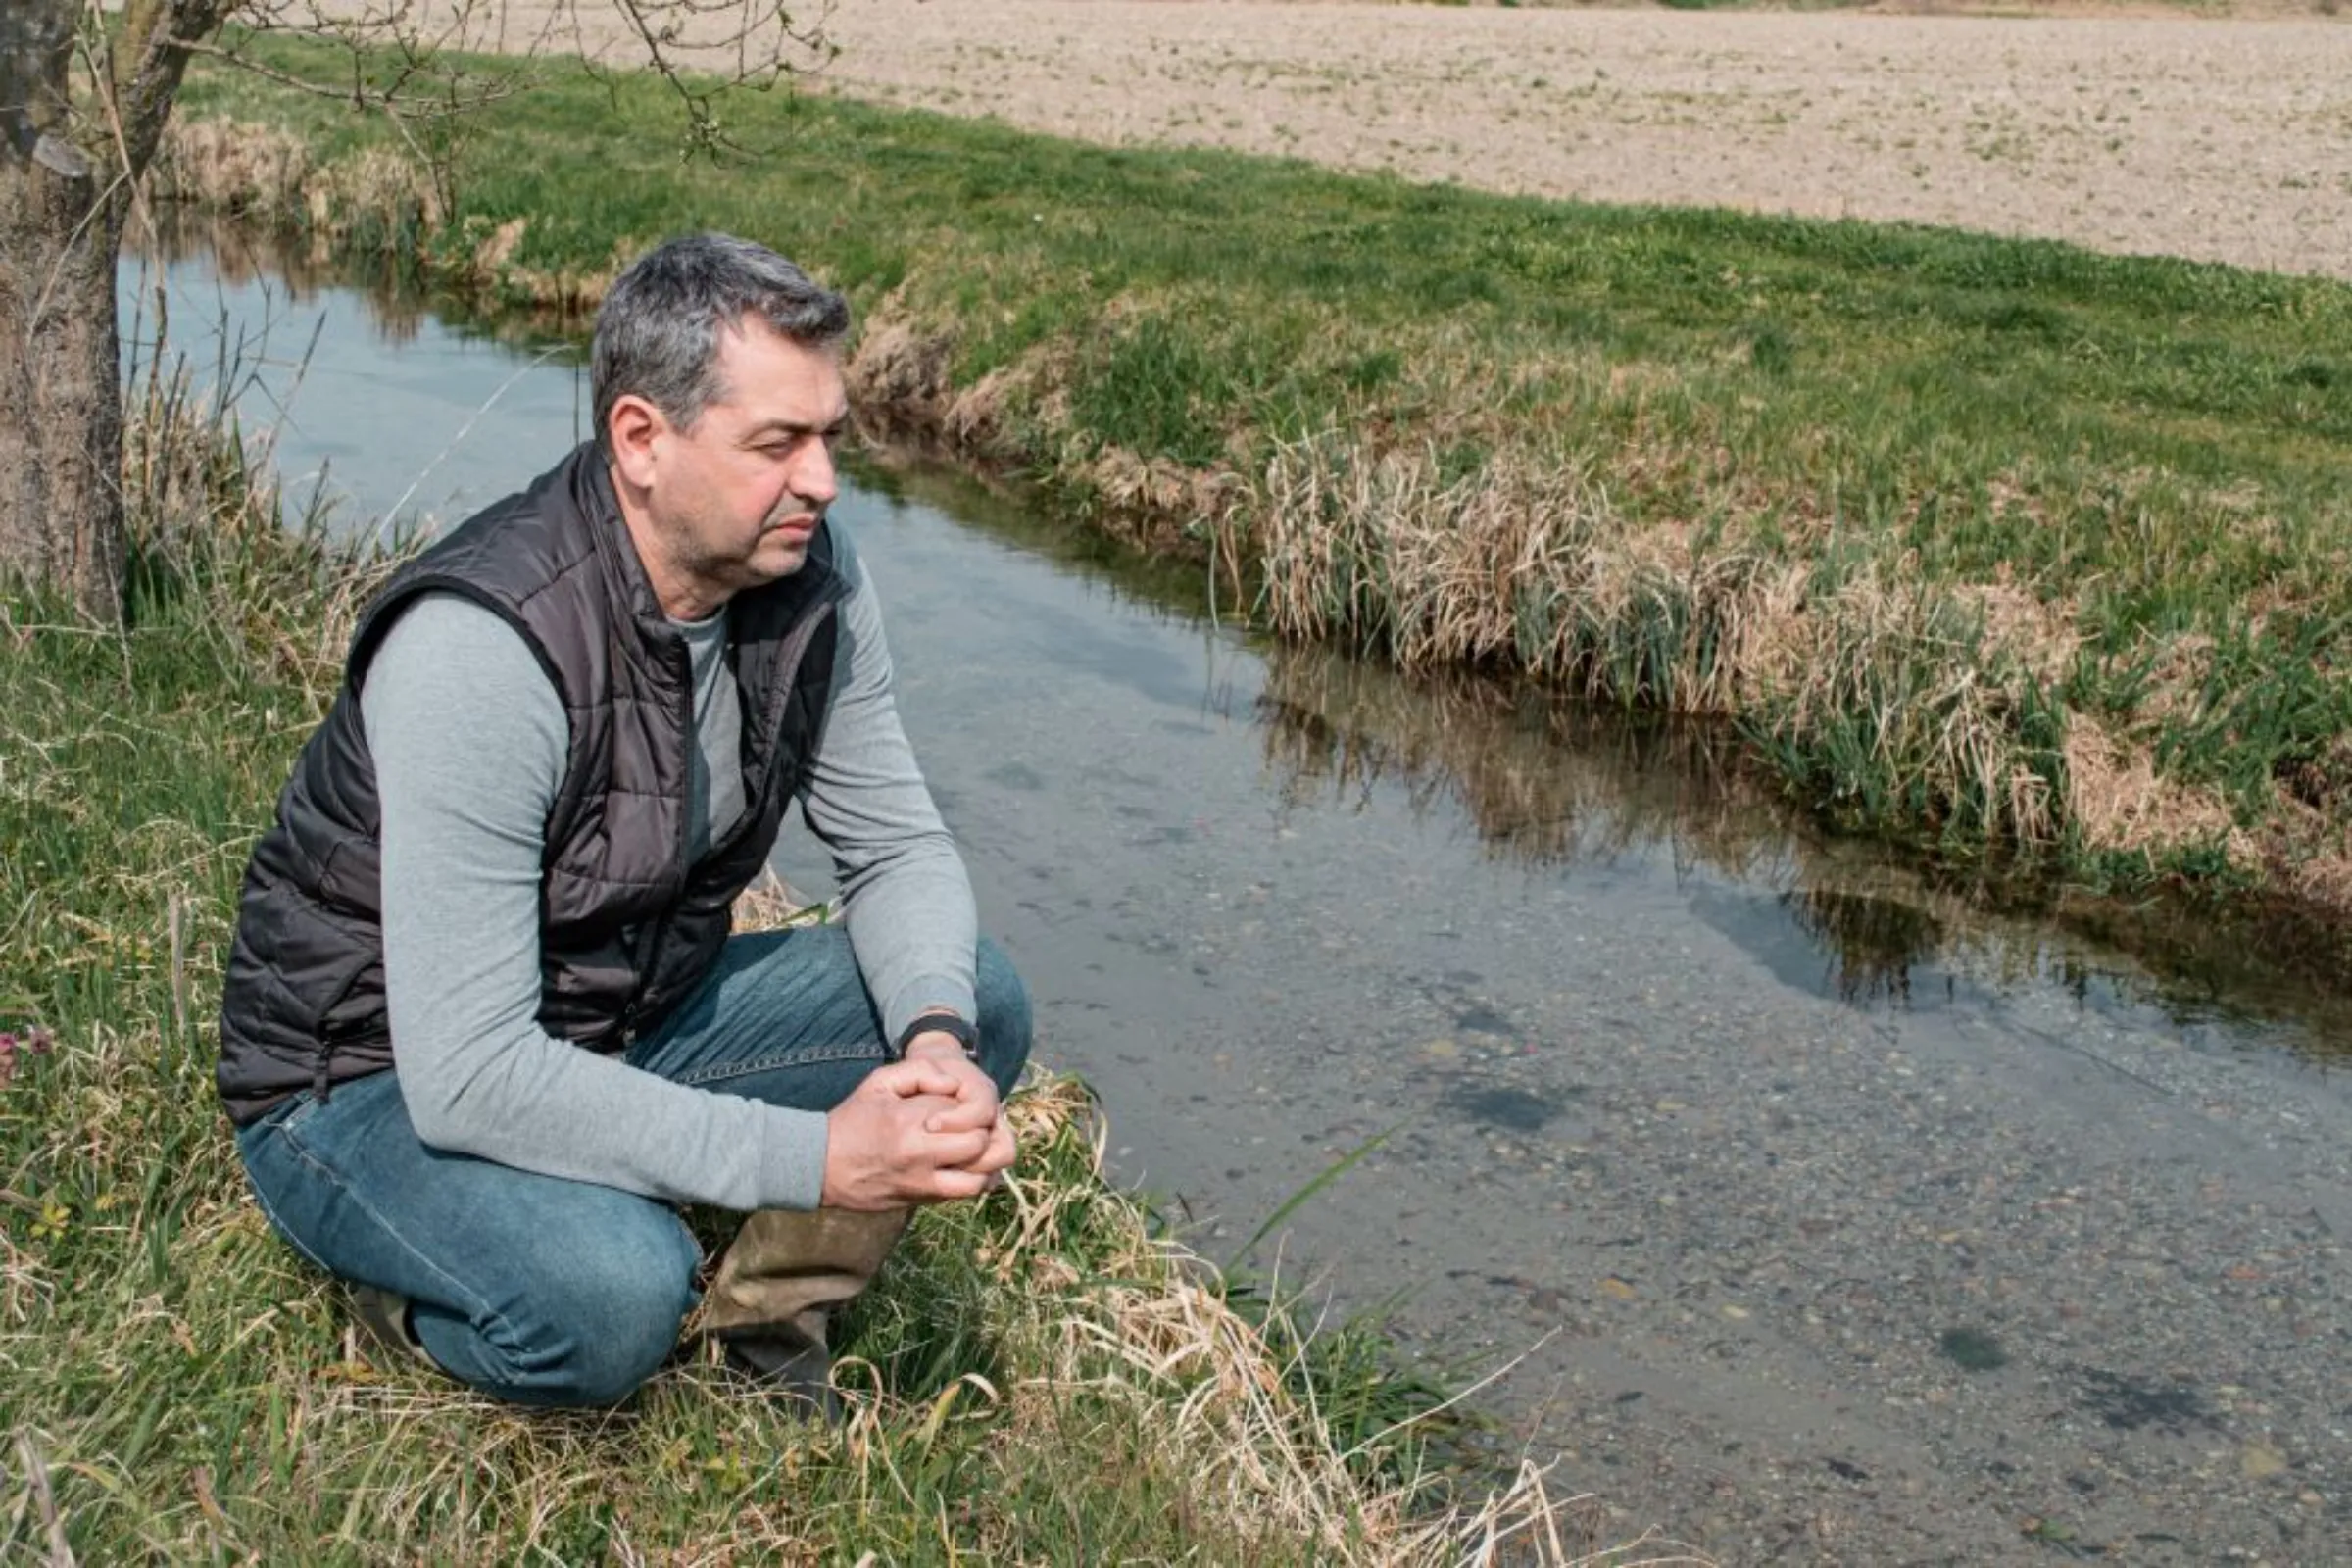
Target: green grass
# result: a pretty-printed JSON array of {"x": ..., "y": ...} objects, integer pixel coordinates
[
  {"x": 1932, "y": 429},
  {"x": 1043, "y": 1376}
]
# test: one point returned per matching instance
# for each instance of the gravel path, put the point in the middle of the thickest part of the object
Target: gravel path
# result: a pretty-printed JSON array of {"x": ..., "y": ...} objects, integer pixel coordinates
[{"x": 2223, "y": 140}]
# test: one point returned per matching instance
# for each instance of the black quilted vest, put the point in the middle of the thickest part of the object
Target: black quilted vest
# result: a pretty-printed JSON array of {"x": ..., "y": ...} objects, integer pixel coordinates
[{"x": 626, "y": 927}]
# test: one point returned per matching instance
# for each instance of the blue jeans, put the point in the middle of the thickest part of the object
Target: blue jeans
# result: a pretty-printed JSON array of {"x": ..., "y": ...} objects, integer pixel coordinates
[{"x": 544, "y": 1291}]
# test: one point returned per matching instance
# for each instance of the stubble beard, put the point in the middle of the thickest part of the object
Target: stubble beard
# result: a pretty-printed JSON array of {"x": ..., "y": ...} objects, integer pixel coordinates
[
  {"x": 734, "y": 574},
  {"x": 791, "y": 508}
]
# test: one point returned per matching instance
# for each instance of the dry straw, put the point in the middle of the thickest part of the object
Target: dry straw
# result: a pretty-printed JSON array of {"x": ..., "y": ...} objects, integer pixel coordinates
[{"x": 1527, "y": 566}]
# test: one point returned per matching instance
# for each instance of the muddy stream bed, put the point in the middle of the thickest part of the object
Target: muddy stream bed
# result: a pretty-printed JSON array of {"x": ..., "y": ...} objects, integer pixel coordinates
[{"x": 1815, "y": 1217}]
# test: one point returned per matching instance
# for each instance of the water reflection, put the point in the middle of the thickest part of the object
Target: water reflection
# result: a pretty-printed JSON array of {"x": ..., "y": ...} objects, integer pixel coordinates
[
  {"x": 1874, "y": 944},
  {"x": 1544, "y": 781},
  {"x": 1551, "y": 782},
  {"x": 239, "y": 258}
]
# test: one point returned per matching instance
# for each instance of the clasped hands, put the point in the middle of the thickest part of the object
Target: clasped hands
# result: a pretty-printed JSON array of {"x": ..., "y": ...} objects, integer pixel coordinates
[{"x": 922, "y": 1130}]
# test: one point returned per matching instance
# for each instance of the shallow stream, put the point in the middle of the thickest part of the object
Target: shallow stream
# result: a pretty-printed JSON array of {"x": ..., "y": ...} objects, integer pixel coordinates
[{"x": 1803, "y": 1211}]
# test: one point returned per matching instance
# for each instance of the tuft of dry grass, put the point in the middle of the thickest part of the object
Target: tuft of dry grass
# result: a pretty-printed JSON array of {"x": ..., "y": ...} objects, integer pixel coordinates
[
  {"x": 901, "y": 372},
  {"x": 269, "y": 177},
  {"x": 2117, "y": 799},
  {"x": 231, "y": 167}
]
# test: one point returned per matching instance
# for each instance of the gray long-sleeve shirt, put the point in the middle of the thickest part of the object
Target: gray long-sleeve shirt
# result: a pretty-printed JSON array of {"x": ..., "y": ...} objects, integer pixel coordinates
[{"x": 470, "y": 740}]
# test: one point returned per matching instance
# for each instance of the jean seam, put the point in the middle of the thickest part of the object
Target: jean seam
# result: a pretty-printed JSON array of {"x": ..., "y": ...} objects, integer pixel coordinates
[
  {"x": 802, "y": 1057},
  {"x": 475, "y": 1305},
  {"x": 284, "y": 1231}
]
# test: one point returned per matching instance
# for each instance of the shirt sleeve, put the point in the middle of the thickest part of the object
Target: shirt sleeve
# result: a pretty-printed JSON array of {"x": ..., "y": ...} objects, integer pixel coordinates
[
  {"x": 470, "y": 737},
  {"x": 906, "y": 895}
]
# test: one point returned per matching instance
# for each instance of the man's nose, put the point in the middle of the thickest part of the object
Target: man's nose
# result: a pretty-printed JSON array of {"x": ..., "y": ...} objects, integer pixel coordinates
[{"x": 813, "y": 478}]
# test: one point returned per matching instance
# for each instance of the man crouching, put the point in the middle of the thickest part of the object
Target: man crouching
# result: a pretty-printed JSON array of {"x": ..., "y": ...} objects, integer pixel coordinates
[{"x": 485, "y": 1022}]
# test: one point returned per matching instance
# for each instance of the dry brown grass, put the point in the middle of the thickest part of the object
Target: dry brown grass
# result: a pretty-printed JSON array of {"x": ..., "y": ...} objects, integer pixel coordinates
[
  {"x": 231, "y": 167},
  {"x": 773, "y": 903},
  {"x": 2117, "y": 799},
  {"x": 270, "y": 181},
  {"x": 270, "y": 178},
  {"x": 901, "y": 371},
  {"x": 1527, "y": 565}
]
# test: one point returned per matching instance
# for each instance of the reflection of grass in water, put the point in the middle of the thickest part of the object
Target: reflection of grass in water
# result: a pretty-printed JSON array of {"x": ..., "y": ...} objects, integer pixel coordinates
[
  {"x": 1544, "y": 780},
  {"x": 1549, "y": 781},
  {"x": 1873, "y": 940}
]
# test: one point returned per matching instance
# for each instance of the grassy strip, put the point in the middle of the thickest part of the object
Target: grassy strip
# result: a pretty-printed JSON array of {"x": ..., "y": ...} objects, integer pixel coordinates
[
  {"x": 1993, "y": 542},
  {"x": 1042, "y": 1376}
]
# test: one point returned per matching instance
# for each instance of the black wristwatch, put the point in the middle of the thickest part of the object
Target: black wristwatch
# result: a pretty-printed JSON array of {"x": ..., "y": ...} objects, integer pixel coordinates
[{"x": 939, "y": 1023}]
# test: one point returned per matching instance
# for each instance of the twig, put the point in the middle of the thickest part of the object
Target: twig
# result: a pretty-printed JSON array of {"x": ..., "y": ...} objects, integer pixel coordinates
[
  {"x": 392, "y": 514},
  {"x": 37, "y": 1476},
  {"x": 388, "y": 99},
  {"x": 180, "y": 970}
]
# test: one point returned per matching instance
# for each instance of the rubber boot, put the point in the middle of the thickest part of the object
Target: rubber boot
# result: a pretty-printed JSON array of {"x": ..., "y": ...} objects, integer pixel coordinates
[{"x": 771, "y": 1302}]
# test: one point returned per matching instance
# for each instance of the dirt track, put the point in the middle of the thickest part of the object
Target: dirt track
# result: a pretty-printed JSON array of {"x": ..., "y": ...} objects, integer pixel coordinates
[{"x": 2223, "y": 140}]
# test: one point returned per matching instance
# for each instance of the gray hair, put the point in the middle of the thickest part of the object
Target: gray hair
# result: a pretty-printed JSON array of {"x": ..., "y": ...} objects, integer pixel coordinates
[{"x": 658, "y": 333}]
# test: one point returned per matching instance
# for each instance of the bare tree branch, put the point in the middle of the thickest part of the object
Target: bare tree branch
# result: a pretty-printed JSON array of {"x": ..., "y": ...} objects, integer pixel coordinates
[
  {"x": 151, "y": 85},
  {"x": 392, "y": 98}
]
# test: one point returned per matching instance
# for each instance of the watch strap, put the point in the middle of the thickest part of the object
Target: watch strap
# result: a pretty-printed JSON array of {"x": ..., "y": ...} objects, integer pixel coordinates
[{"x": 939, "y": 1023}]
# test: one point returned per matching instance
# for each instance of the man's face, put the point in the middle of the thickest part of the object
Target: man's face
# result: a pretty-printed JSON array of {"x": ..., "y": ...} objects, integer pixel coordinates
[{"x": 735, "y": 500}]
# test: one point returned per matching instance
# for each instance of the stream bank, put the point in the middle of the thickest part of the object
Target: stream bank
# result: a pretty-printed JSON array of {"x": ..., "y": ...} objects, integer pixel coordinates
[{"x": 1813, "y": 1212}]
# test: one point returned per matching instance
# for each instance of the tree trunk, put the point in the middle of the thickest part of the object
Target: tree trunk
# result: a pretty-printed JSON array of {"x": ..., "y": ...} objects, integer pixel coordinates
[
  {"x": 61, "y": 400},
  {"x": 61, "y": 407}
]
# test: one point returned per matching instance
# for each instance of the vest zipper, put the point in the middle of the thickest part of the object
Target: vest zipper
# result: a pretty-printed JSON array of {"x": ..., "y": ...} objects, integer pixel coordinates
[
  {"x": 788, "y": 669},
  {"x": 788, "y": 663}
]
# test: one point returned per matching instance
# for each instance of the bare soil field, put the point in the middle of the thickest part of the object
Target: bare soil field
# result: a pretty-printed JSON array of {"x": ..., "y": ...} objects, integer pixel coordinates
[{"x": 2223, "y": 139}]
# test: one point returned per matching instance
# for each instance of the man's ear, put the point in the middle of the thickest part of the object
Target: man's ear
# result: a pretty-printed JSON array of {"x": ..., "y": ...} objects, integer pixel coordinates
[{"x": 632, "y": 428}]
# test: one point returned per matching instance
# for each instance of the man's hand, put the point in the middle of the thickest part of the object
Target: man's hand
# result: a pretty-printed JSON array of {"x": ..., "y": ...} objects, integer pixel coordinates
[
  {"x": 976, "y": 1103},
  {"x": 899, "y": 1138}
]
